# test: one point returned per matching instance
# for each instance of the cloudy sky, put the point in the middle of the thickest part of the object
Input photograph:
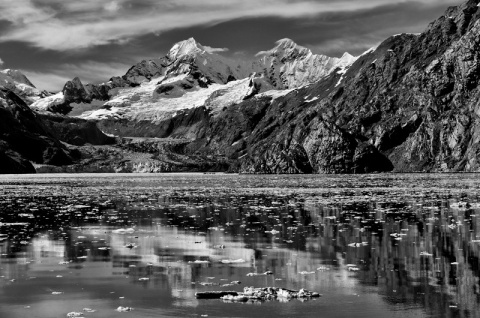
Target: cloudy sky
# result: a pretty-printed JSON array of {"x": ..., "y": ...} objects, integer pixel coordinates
[{"x": 53, "y": 41}]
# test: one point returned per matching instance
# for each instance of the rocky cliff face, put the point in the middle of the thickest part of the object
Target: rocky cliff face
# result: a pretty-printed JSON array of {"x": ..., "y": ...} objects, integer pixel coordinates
[
  {"x": 24, "y": 138},
  {"x": 28, "y": 138},
  {"x": 412, "y": 104}
]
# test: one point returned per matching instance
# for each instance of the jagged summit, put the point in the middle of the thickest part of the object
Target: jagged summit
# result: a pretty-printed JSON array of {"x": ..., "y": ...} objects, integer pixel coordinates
[
  {"x": 16, "y": 76},
  {"x": 17, "y": 82},
  {"x": 190, "y": 69},
  {"x": 286, "y": 48},
  {"x": 186, "y": 47},
  {"x": 289, "y": 65}
]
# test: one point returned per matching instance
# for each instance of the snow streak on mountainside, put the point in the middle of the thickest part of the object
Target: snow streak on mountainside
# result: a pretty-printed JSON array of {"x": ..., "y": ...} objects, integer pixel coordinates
[{"x": 191, "y": 76}]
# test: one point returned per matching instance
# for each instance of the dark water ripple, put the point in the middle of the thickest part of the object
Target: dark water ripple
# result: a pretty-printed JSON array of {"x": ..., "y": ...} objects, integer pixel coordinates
[{"x": 374, "y": 246}]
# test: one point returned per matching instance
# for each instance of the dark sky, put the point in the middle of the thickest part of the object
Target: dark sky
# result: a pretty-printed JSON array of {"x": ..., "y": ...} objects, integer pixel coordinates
[{"x": 53, "y": 41}]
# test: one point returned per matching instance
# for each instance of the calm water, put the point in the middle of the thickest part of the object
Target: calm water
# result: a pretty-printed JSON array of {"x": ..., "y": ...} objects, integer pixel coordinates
[{"x": 373, "y": 246}]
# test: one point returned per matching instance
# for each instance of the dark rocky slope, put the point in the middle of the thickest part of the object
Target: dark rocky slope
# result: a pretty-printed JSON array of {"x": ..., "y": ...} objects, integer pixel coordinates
[
  {"x": 24, "y": 138},
  {"x": 28, "y": 138},
  {"x": 412, "y": 104}
]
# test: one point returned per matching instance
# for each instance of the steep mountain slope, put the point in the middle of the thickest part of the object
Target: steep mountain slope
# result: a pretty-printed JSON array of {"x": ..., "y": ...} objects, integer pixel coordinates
[
  {"x": 412, "y": 104},
  {"x": 28, "y": 138},
  {"x": 24, "y": 138}
]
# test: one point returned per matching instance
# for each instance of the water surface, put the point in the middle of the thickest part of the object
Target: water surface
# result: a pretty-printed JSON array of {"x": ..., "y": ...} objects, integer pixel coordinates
[{"x": 373, "y": 245}]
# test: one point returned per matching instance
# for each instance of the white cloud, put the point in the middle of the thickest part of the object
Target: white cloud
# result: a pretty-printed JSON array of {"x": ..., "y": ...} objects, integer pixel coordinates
[
  {"x": 113, "y": 6},
  {"x": 214, "y": 49},
  {"x": 65, "y": 25}
]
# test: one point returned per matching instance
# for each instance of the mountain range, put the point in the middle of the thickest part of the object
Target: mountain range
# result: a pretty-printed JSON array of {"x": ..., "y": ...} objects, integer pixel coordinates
[{"x": 410, "y": 104}]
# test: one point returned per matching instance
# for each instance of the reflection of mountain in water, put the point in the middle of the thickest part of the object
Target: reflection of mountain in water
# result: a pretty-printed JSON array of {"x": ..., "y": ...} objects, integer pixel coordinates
[{"x": 416, "y": 248}]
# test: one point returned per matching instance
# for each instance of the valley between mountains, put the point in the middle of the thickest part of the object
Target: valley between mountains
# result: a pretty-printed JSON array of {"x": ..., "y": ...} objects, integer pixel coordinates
[{"x": 410, "y": 104}]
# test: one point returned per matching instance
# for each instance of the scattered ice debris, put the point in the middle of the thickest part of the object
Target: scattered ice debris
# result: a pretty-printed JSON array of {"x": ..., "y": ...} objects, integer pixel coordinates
[
  {"x": 306, "y": 273},
  {"x": 425, "y": 254},
  {"x": 75, "y": 314},
  {"x": 323, "y": 268},
  {"x": 258, "y": 294},
  {"x": 124, "y": 309},
  {"x": 89, "y": 310},
  {"x": 358, "y": 244},
  {"x": 144, "y": 279},
  {"x": 352, "y": 268},
  {"x": 219, "y": 246},
  {"x": 57, "y": 293},
  {"x": 260, "y": 274},
  {"x": 198, "y": 261},
  {"x": 273, "y": 231},
  {"x": 233, "y": 261},
  {"x": 124, "y": 231},
  {"x": 215, "y": 294}
]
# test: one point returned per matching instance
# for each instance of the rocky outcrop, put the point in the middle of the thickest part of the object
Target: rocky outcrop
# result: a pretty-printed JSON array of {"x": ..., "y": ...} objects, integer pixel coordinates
[
  {"x": 75, "y": 131},
  {"x": 24, "y": 137},
  {"x": 415, "y": 97},
  {"x": 12, "y": 162}
]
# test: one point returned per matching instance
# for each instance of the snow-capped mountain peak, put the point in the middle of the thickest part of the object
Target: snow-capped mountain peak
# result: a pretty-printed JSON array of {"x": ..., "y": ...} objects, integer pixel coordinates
[
  {"x": 286, "y": 48},
  {"x": 289, "y": 65},
  {"x": 17, "y": 82},
  {"x": 16, "y": 76},
  {"x": 191, "y": 75},
  {"x": 187, "y": 47}
]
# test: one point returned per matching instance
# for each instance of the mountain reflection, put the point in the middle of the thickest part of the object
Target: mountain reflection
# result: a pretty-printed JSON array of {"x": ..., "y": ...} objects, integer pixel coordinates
[{"x": 417, "y": 248}]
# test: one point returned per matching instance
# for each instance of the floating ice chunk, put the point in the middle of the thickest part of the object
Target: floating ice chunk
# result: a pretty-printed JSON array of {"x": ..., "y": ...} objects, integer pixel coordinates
[
  {"x": 306, "y": 273},
  {"x": 89, "y": 310},
  {"x": 124, "y": 231},
  {"x": 199, "y": 262},
  {"x": 233, "y": 261},
  {"x": 124, "y": 309},
  {"x": 425, "y": 254}
]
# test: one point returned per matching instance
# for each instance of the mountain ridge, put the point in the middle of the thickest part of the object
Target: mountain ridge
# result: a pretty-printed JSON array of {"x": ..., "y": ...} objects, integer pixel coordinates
[{"x": 202, "y": 69}]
